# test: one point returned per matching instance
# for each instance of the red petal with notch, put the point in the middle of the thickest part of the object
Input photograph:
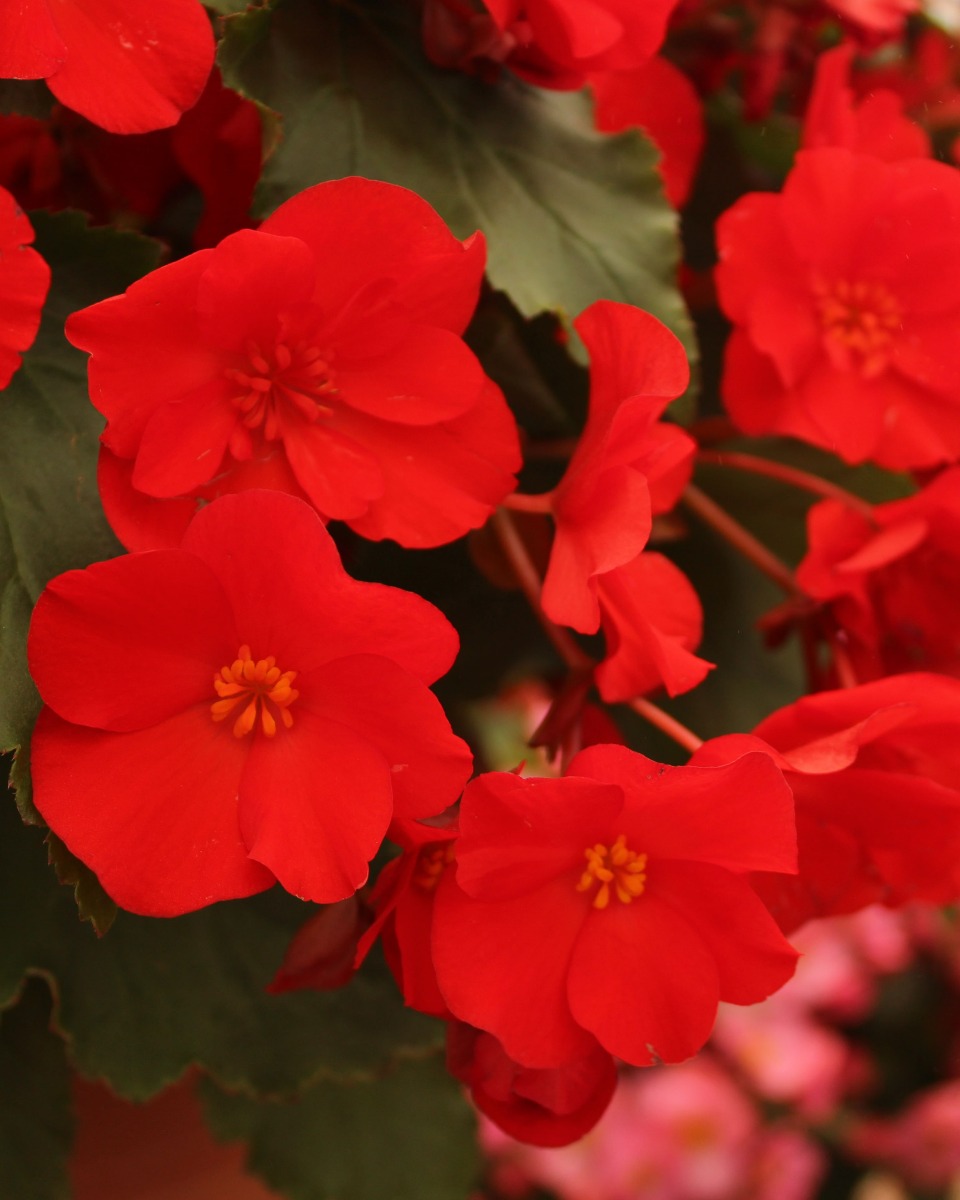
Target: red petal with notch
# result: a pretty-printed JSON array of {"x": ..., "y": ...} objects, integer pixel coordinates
[{"x": 153, "y": 813}]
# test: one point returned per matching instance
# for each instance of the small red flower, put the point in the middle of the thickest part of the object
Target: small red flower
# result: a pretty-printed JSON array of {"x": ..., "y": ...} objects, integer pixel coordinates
[
  {"x": 552, "y": 43},
  {"x": 659, "y": 99},
  {"x": 128, "y": 65},
  {"x": 875, "y": 773},
  {"x": 319, "y": 355},
  {"x": 891, "y": 583},
  {"x": 403, "y": 903},
  {"x": 237, "y": 711},
  {"x": 553, "y": 1106},
  {"x": 608, "y": 906},
  {"x": 845, "y": 295},
  {"x": 876, "y": 125},
  {"x": 628, "y": 464},
  {"x": 24, "y": 283},
  {"x": 652, "y": 621}
]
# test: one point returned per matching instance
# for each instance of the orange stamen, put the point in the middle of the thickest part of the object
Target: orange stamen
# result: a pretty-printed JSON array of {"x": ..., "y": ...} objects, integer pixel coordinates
[
  {"x": 288, "y": 376},
  {"x": 260, "y": 686},
  {"x": 860, "y": 320},
  {"x": 431, "y": 864},
  {"x": 618, "y": 871}
]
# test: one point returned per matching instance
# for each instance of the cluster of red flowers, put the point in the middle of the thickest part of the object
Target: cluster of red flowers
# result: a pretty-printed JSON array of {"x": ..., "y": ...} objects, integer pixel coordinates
[{"x": 261, "y": 716}]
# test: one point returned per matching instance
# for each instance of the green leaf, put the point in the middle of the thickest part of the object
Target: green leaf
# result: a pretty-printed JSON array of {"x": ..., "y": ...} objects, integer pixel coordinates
[
  {"x": 407, "y": 1136},
  {"x": 157, "y": 996},
  {"x": 570, "y": 215},
  {"x": 50, "y": 514},
  {"x": 36, "y": 1122},
  {"x": 93, "y": 903}
]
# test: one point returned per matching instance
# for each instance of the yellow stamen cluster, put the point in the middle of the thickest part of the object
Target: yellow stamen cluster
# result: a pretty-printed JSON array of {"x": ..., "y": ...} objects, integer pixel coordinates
[
  {"x": 617, "y": 870},
  {"x": 258, "y": 686}
]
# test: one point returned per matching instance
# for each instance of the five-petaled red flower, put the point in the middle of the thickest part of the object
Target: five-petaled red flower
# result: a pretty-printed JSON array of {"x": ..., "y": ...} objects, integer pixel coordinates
[
  {"x": 845, "y": 295},
  {"x": 319, "y": 355},
  {"x": 610, "y": 905},
  {"x": 237, "y": 711}
]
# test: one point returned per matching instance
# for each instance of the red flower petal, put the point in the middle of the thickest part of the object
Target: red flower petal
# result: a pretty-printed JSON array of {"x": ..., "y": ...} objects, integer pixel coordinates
[
  {"x": 184, "y": 442},
  {"x": 143, "y": 351},
  {"x": 290, "y": 588},
  {"x": 643, "y": 981},
  {"x": 393, "y": 711},
  {"x": 502, "y": 967},
  {"x": 752, "y": 957},
  {"x": 429, "y": 376},
  {"x": 30, "y": 44},
  {"x": 143, "y": 522},
  {"x": 315, "y": 803},
  {"x": 124, "y": 644},
  {"x": 652, "y": 620},
  {"x": 132, "y": 65},
  {"x": 247, "y": 281},
  {"x": 658, "y": 98},
  {"x": 631, "y": 354},
  {"x": 24, "y": 283},
  {"x": 361, "y": 230},
  {"x": 338, "y": 474},
  {"x": 739, "y": 816},
  {"x": 153, "y": 813},
  {"x": 438, "y": 481},
  {"x": 519, "y": 834}
]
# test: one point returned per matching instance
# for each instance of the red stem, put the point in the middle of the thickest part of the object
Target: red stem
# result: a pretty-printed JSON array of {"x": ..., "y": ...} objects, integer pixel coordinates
[
  {"x": 530, "y": 584},
  {"x": 666, "y": 724},
  {"x": 789, "y": 475},
  {"x": 519, "y": 502},
  {"x": 741, "y": 539}
]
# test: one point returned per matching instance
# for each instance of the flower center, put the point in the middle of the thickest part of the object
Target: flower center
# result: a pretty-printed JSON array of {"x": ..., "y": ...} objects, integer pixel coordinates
[
  {"x": 431, "y": 864},
  {"x": 617, "y": 870},
  {"x": 859, "y": 320},
  {"x": 291, "y": 375},
  {"x": 246, "y": 687}
]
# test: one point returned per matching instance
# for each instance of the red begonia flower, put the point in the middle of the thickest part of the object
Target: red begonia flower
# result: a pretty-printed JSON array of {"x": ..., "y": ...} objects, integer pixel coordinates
[
  {"x": 557, "y": 43},
  {"x": 659, "y": 99},
  {"x": 236, "y": 711},
  {"x": 628, "y": 464},
  {"x": 845, "y": 294},
  {"x": 875, "y": 772},
  {"x": 876, "y": 125},
  {"x": 320, "y": 355},
  {"x": 652, "y": 621},
  {"x": 403, "y": 900},
  {"x": 552, "y": 1106},
  {"x": 128, "y": 65},
  {"x": 24, "y": 283},
  {"x": 891, "y": 584},
  {"x": 609, "y": 905}
]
